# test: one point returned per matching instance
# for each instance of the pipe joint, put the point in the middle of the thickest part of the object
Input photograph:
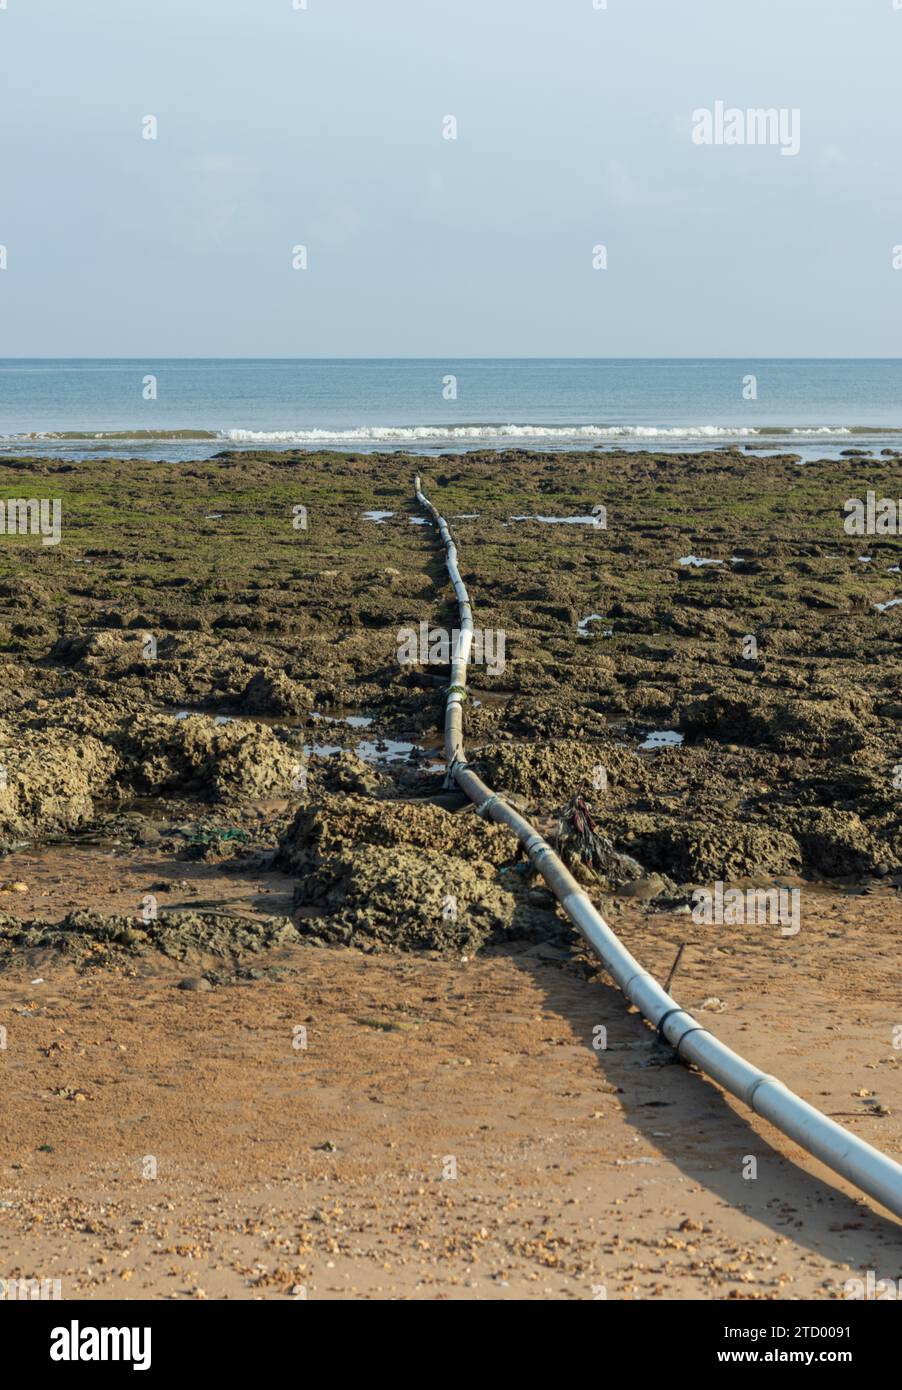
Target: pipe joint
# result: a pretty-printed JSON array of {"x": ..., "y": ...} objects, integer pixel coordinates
[{"x": 763, "y": 1080}]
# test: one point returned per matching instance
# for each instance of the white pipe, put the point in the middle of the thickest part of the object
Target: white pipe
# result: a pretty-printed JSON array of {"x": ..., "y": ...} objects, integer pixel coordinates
[{"x": 869, "y": 1169}]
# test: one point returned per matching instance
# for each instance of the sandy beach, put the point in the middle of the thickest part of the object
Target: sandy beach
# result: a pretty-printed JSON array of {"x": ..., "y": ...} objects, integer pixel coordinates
[{"x": 249, "y": 1050}]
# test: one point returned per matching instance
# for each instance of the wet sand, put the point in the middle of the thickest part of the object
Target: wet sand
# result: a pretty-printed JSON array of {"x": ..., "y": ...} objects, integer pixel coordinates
[{"x": 321, "y": 1172}]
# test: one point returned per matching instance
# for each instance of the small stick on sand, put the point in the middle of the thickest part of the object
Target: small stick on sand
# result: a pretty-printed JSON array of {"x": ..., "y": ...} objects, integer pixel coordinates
[{"x": 674, "y": 967}]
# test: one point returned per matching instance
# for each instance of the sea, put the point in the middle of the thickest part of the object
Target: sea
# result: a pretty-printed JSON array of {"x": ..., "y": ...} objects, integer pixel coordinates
[{"x": 185, "y": 409}]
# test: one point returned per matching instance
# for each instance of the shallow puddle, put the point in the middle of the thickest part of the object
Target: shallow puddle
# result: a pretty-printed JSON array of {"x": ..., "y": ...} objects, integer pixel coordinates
[
  {"x": 582, "y": 627},
  {"x": 562, "y": 520},
  {"x": 661, "y": 738},
  {"x": 350, "y": 720},
  {"x": 353, "y": 721},
  {"x": 386, "y": 750}
]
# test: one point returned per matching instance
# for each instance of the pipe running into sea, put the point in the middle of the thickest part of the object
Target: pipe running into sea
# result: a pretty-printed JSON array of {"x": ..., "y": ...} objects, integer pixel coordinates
[{"x": 869, "y": 1169}]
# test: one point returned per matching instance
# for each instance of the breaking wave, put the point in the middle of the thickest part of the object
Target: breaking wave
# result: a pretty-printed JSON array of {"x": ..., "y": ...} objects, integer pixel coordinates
[
  {"x": 111, "y": 436},
  {"x": 414, "y": 433},
  {"x": 487, "y": 434}
]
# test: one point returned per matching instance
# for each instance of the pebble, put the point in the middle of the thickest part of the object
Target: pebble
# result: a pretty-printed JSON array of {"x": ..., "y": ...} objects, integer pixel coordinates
[
  {"x": 196, "y": 982},
  {"x": 642, "y": 889}
]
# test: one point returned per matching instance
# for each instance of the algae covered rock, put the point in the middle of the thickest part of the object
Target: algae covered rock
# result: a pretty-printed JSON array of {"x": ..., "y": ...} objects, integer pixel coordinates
[
  {"x": 49, "y": 780},
  {"x": 838, "y": 843},
  {"x": 335, "y": 822},
  {"x": 93, "y": 938},
  {"x": 234, "y": 761},
  {"x": 406, "y": 899},
  {"x": 692, "y": 852},
  {"x": 274, "y": 693}
]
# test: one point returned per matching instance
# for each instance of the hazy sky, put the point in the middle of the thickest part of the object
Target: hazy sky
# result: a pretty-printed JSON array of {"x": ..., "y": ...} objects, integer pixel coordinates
[{"x": 323, "y": 127}]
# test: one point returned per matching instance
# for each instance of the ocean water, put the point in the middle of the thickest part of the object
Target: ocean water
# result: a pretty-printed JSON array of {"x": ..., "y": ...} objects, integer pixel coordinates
[{"x": 181, "y": 409}]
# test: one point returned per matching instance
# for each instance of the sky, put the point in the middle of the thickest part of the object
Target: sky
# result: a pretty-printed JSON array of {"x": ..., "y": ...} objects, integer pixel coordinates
[{"x": 324, "y": 127}]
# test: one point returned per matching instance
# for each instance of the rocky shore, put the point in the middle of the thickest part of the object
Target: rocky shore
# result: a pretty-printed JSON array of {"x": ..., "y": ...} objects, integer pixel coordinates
[{"x": 208, "y": 666}]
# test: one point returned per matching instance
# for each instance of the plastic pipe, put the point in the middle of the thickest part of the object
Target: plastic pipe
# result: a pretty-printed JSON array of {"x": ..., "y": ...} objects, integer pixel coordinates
[{"x": 869, "y": 1169}]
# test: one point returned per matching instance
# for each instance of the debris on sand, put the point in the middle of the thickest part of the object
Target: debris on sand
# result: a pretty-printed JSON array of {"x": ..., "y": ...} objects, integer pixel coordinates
[{"x": 582, "y": 846}]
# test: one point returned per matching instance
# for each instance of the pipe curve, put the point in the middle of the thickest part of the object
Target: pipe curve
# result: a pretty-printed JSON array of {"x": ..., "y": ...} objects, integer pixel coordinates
[{"x": 870, "y": 1170}]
